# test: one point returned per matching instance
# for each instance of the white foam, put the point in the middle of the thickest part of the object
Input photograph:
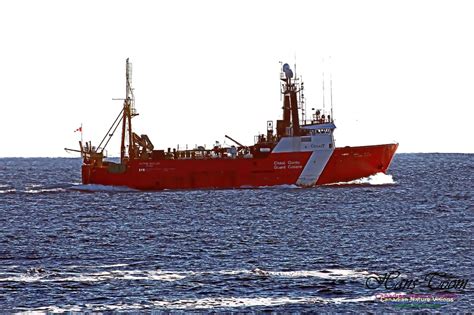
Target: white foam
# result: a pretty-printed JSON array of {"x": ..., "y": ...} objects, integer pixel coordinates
[
  {"x": 34, "y": 185},
  {"x": 86, "y": 277},
  {"x": 148, "y": 275},
  {"x": 323, "y": 274},
  {"x": 155, "y": 275},
  {"x": 348, "y": 273},
  {"x": 233, "y": 302},
  {"x": 111, "y": 307},
  {"x": 206, "y": 303},
  {"x": 166, "y": 275},
  {"x": 77, "y": 308},
  {"x": 376, "y": 179},
  {"x": 102, "y": 188},
  {"x": 233, "y": 272},
  {"x": 23, "y": 278},
  {"x": 7, "y": 191},
  {"x": 327, "y": 274},
  {"x": 80, "y": 278},
  {"x": 52, "y": 309},
  {"x": 46, "y": 190}
]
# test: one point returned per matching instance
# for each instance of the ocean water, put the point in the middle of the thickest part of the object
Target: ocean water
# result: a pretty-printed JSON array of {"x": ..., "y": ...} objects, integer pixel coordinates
[{"x": 339, "y": 248}]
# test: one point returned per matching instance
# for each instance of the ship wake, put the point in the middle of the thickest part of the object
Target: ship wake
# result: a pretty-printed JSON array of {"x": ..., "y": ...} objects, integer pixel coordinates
[
  {"x": 378, "y": 179},
  {"x": 101, "y": 188}
]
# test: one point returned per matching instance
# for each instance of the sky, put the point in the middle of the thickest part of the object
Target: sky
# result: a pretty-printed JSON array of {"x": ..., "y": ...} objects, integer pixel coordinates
[{"x": 401, "y": 70}]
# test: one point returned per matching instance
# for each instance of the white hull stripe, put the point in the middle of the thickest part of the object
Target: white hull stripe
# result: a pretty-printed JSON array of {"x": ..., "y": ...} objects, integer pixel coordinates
[{"x": 314, "y": 167}]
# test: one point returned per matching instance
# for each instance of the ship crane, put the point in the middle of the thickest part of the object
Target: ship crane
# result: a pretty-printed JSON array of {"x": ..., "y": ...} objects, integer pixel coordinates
[{"x": 235, "y": 141}]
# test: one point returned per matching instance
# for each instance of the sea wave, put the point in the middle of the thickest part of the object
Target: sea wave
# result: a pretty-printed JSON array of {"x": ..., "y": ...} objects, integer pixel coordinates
[
  {"x": 44, "y": 190},
  {"x": 31, "y": 189},
  {"x": 41, "y": 275},
  {"x": 322, "y": 274},
  {"x": 235, "y": 302},
  {"x": 8, "y": 191},
  {"x": 208, "y": 303}
]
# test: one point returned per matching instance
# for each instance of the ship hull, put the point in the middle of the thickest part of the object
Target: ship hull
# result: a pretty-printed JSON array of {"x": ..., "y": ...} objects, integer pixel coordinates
[
  {"x": 350, "y": 163},
  {"x": 278, "y": 168}
]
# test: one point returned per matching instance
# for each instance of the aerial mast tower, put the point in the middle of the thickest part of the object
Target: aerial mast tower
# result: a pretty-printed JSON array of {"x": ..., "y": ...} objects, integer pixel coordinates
[{"x": 129, "y": 111}]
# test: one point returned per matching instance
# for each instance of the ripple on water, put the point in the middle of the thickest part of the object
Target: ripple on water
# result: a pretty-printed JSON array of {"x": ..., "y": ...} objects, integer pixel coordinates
[{"x": 265, "y": 249}]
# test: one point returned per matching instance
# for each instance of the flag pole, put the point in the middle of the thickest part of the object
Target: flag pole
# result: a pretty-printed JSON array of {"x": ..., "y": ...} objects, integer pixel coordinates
[{"x": 81, "y": 133}]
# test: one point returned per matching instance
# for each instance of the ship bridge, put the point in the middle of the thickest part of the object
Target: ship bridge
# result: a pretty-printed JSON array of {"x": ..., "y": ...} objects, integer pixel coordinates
[{"x": 325, "y": 126}]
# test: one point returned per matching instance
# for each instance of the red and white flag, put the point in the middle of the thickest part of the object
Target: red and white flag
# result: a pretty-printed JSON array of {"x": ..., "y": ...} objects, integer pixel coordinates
[{"x": 78, "y": 129}]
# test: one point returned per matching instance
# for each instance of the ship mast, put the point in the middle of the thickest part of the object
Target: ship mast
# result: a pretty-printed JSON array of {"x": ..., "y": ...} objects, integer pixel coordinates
[
  {"x": 290, "y": 104},
  {"x": 128, "y": 112}
]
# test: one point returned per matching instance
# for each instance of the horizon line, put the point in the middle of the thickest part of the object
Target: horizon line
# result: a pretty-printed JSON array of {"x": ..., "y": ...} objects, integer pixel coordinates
[{"x": 115, "y": 157}]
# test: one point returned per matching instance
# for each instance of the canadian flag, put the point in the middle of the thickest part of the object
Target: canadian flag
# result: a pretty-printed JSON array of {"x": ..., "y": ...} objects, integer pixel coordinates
[{"x": 78, "y": 129}]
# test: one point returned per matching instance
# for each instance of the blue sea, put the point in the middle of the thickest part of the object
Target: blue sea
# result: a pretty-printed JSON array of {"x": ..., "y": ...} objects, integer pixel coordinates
[{"x": 401, "y": 242}]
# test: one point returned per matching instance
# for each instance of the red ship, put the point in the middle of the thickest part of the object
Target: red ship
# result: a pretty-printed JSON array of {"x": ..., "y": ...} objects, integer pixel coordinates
[{"x": 299, "y": 153}]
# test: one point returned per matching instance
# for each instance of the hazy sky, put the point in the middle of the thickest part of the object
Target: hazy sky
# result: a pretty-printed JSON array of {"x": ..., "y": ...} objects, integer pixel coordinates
[{"x": 402, "y": 70}]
